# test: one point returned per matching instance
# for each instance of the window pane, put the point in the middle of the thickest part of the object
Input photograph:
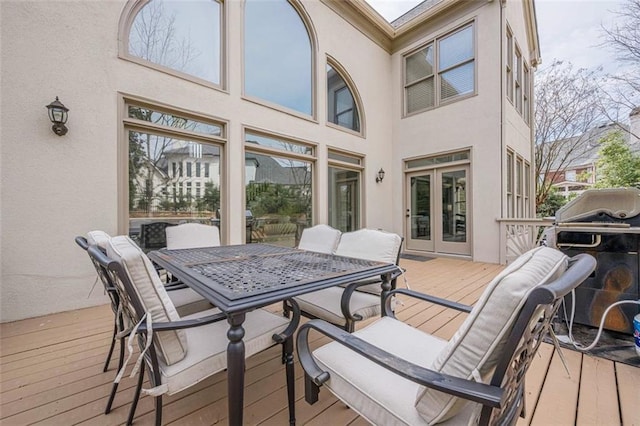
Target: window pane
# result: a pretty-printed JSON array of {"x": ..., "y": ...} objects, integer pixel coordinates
[
  {"x": 159, "y": 191},
  {"x": 344, "y": 158},
  {"x": 278, "y": 198},
  {"x": 420, "y": 95},
  {"x": 277, "y": 55},
  {"x": 173, "y": 121},
  {"x": 419, "y": 65},
  {"x": 344, "y": 199},
  {"x": 282, "y": 144},
  {"x": 456, "y": 48},
  {"x": 342, "y": 109},
  {"x": 183, "y": 36},
  {"x": 457, "y": 81}
]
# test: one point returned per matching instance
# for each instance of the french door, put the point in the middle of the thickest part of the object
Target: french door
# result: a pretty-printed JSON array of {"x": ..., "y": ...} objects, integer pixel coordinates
[{"x": 436, "y": 210}]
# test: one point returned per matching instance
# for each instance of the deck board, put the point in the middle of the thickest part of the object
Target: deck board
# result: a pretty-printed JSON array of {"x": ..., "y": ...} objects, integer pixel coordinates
[{"x": 51, "y": 370}]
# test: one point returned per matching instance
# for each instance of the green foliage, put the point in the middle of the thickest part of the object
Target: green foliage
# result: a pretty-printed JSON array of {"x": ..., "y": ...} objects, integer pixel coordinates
[
  {"x": 210, "y": 201},
  {"x": 617, "y": 165},
  {"x": 551, "y": 204}
]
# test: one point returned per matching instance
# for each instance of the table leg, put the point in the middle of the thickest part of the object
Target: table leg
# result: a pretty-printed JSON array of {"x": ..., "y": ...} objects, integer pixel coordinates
[
  {"x": 235, "y": 368},
  {"x": 386, "y": 288}
]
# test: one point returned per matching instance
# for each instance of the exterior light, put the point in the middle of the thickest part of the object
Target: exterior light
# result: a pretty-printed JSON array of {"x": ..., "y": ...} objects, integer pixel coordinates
[
  {"x": 380, "y": 175},
  {"x": 58, "y": 116}
]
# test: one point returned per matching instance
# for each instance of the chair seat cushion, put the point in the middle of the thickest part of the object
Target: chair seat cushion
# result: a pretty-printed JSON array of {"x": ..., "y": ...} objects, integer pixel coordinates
[
  {"x": 325, "y": 304},
  {"x": 207, "y": 353},
  {"x": 474, "y": 351},
  {"x": 380, "y": 396},
  {"x": 188, "y": 301}
]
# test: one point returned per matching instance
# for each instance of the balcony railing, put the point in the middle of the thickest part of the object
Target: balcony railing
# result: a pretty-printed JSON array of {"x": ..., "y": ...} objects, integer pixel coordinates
[{"x": 520, "y": 235}]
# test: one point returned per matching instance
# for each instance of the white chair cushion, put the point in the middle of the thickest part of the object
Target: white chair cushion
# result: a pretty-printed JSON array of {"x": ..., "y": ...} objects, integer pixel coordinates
[
  {"x": 192, "y": 235},
  {"x": 380, "y": 396},
  {"x": 370, "y": 244},
  {"x": 187, "y": 301},
  {"x": 151, "y": 292},
  {"x": 320, "y": 238},
  {"x": 325, "y": 304},
  {"x": 474, "y": 350},
  {"x": 99, "y": 238},
  {"x": 207, "y": 353}
]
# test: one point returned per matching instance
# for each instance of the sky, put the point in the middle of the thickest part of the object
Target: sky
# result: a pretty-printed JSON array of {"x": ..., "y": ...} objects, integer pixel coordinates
[{"x": 569, "y": 30}]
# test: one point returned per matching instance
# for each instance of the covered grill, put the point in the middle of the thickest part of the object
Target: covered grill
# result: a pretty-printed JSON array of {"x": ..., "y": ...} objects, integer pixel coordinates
[{"x": 606, "y": 224}]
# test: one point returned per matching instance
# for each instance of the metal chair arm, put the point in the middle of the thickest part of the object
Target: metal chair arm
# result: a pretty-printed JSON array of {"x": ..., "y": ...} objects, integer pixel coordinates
[
  {"x": 487, "y": 395},
  {"x": 178, "y": 325},
  {"x": 424, "y": 297}
]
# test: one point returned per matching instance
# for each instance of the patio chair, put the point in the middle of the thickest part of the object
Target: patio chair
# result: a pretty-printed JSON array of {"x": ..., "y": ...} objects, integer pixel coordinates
[
  {"x": 357, "y": 301},
  {"x": 182, "y": 351},
  {"x": 320, "y": 238},
  {"x": 192, "y": 235},
  {"x": 153, "y": 235},
  {"x": 392, "y": 373}
]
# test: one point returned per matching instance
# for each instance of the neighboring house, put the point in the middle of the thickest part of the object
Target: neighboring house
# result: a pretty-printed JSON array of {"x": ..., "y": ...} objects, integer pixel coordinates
[
  {"x": 581, "y": 172},
  {"x": 440, "y": 100}
]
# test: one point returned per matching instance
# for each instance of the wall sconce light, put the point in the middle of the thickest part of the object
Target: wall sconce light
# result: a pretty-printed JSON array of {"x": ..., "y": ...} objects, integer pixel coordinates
[
  {"x": 380, "y": 175},
  {"x": 58, "y": 116}
]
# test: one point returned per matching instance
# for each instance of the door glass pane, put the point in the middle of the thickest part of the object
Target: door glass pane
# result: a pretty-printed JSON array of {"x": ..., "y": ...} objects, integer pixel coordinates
[
  {"x": 421, "y": 207},
  {"x": 454, "y": 206},
  {"x": 344, "y": 199}
]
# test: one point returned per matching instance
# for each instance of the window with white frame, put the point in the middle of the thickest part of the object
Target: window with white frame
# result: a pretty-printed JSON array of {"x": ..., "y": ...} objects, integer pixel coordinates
[
  {"x": 179, "y": 36},
  {"x": 440, "y": 71},
  {"x": 526, "y": 88},
  {"x": 160, "y": 141},
  {"x": 510, "y": 165},
  {"x": 519, "y": 187},
  {"x": 278, "y": 187},
  {"x": 509, "y": 65},
  {"x": 527, "y": 189},
  {"x": 518, "y": 81}
]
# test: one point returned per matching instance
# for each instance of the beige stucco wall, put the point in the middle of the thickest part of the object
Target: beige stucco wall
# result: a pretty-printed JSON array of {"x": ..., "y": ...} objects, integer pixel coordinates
[
  {"x": 470, "y": 123},
  {"x": 55, "y": 188}
]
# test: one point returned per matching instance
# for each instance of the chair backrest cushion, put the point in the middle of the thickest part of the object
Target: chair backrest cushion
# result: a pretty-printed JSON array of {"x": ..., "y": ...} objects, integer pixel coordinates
[
  {"x": 474, "y": 351},
  {"x": 320, "y": 238},
  {"x": 99, "y": 238},
  {"x": 370, "y": 244},
  {"x": 171, "y": 345},
  {"x": 192, "y": 235}
]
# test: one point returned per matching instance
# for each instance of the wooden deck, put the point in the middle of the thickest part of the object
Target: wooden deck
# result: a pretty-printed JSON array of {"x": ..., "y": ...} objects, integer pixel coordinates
[{"x": 51, "y": 371}]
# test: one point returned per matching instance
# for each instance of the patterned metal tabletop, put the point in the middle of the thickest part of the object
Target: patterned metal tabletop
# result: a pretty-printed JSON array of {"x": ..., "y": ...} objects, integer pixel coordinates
[{"x": 245, "y": 271}]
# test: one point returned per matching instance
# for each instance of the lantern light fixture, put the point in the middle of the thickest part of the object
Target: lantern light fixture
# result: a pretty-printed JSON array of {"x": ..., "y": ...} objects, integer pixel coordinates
[
  {"x": 380, "y": 175},
  {"x": 58, "y": 114}
]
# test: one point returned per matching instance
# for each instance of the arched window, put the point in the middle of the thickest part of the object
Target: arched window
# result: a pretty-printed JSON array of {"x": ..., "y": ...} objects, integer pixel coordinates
[
  {"x": 278, "y": 58},
  {"x": 182, "y": 36},
  {"x": 342, "y": 106}
]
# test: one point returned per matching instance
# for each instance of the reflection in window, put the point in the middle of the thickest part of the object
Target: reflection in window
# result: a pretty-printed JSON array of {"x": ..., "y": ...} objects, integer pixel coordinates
[
  {"x": 181, "y": 35},
  {"x": 278, "y": 194},
  {"x": 171, "y": 179},
  {"x": 277, "y": 55},
  {"x": 455, "y": 72},
  {"x": 344, "y": 199},
  {"x": 342, "y": 108}
]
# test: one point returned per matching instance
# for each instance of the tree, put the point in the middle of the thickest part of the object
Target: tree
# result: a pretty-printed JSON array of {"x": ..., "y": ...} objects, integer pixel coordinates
[
  {"x": 623, "y": 92},
  {"x": 617, "y": 165},
  {"x": 566, "y": 107}
]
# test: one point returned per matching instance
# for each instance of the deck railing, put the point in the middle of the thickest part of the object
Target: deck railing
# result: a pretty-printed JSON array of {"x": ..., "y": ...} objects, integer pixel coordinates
[{"x": 520, "y": 235}]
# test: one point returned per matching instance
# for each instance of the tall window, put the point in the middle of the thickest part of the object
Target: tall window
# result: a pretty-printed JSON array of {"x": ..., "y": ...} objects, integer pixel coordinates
[
  {"x": 341, "y": 104},
  {"x": 278, "y": 57},
  {"x": 159, "y": 143},
  {"x": 526, "y": 87},
  {"x": 518, "y": 81},
  {"x": 427, "y": 83},
  {"x": 182, "y": 36},
  {"x": 510, "y": 184},
  {"x": 509, "y": 69},
  {"x": 345, "y": 172},
  {"x": 278, "y": 188}
]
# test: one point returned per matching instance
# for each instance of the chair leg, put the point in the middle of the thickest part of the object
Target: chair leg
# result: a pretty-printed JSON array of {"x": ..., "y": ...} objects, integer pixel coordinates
[
  {"x": 136, "y": 395},
  {"x": 113, "y": 343},
  {"x": 112, "y": 396},
  {"x": 158, "y": 403},
  {"x": 311, "y": 390},
  {"x": 287, "y": 347}
]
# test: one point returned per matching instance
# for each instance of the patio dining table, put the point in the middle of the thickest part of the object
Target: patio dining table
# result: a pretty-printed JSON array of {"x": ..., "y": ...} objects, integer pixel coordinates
[{"x": 240, "y": 278}]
